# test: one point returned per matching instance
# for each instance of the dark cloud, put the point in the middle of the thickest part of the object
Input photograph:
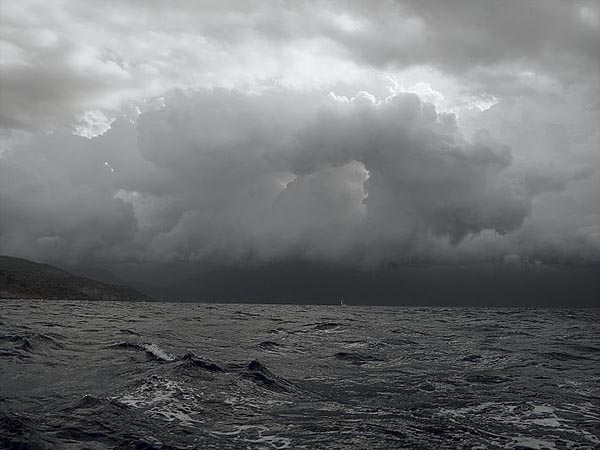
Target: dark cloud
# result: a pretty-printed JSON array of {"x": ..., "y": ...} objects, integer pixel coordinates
[
  {"x": 497, "y": 46},
  {"x": 424, "y": 177},
  {"x": 222, "y": 177},
  {"x": 239, "y": 135}
]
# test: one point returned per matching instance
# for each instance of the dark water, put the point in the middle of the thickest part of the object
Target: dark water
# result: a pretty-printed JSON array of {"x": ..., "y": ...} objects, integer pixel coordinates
[{"x": 81, "y": 375}]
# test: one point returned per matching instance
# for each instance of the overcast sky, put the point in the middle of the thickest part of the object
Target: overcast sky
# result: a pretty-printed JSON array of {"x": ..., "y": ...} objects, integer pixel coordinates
[{"x": 242, "y": 133}]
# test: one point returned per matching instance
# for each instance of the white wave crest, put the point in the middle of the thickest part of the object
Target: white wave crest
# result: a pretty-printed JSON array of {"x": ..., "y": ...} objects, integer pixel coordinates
[{"x": 158, "y": 352}]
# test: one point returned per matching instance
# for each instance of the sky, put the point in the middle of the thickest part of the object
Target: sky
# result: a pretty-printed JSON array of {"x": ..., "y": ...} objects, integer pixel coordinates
[{"x": 164, "y": 141}]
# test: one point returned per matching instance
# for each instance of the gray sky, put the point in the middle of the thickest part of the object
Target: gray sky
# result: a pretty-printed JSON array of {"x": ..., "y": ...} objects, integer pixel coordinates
[{"x": 243, "y": 133}]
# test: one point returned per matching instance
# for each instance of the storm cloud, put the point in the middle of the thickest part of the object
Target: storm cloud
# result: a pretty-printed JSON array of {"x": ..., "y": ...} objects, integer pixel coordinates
[
  {"x": 225, "y": 177},
  {"x": 249, "y": 134}
]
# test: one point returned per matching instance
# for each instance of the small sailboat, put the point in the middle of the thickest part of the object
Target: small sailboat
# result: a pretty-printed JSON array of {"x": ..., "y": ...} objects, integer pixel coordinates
[{"x": 342, "y": 301}]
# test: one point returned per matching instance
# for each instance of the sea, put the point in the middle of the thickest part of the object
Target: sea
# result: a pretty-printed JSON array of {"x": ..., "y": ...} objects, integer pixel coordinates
[{"x": 115, "y": 375}]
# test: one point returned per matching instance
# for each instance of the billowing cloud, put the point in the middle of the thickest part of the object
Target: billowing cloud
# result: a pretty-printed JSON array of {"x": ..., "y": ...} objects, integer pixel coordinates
[
  {"x": 223, "y": 177},
  {"x": 249, "y": 133}
]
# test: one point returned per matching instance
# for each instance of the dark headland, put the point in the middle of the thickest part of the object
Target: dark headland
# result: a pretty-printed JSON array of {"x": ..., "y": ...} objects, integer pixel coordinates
[{"x": 21, "y": 278}]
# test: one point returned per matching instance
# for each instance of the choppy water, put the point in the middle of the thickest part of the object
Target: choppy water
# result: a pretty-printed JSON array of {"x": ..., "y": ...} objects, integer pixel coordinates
[{"x": 157, "y": 375}]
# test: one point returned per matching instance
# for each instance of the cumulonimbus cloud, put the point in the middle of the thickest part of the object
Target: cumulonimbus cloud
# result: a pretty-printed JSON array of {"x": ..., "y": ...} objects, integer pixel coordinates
[{"x": 226, "y": 177}]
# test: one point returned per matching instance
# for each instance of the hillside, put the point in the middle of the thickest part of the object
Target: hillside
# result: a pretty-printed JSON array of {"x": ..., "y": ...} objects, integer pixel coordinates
[{"x": 21, "y": 278}]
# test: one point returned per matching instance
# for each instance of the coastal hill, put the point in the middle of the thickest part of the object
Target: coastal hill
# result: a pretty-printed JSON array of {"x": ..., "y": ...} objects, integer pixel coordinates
[{"x": 21, "y": 278}]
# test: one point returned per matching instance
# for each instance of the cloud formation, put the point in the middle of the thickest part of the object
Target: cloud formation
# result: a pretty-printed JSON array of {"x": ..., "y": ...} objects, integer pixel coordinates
[
  {"x": 248, "y": 133},
  {"x": 77, "y": 64},
  {"x": 223, "y": 177}
]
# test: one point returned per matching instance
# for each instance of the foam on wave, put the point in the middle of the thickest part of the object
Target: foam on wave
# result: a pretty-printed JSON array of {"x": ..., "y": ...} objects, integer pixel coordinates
[{"x": 151, "y": 349}]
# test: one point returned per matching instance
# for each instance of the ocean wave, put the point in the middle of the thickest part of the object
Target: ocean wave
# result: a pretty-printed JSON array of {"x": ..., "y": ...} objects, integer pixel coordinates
[
  {"x": 165, "y": 399},
  {"x": 328, "y": 326},
  {"x": 375, "y": 383},
  {"x": 254, "y": 434},
  {"x": 23, "y": 345},
  {"x": 18, "y": 432},
  {"x": 485, "y": 378},
  {"x": 563, "y": 356},
  {"x": 158, "y": 353},
  {"x": 263, "y": 377},
  {"x": 152, "y": 350},
  {"x": 126, "y": 331},
  {"x": 356, "y": 358},
  {"x": 539, "y": 419},
  {"x": 268, "y": 346},
  {"x": 191, "y": 360}
]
